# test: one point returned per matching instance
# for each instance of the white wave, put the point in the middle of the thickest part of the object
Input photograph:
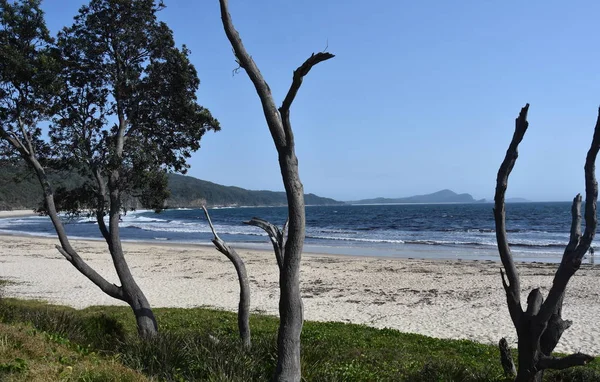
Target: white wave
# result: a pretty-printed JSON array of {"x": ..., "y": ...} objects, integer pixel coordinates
[{"x": 360, "y": 239}]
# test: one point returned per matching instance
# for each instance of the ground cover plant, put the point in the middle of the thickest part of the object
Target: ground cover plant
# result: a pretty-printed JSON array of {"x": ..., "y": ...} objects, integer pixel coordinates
[{"x": 203, "y": 344}]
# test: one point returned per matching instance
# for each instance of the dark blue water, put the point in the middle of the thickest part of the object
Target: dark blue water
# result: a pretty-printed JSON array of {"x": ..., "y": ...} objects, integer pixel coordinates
[{"x": 537, "y": 231}]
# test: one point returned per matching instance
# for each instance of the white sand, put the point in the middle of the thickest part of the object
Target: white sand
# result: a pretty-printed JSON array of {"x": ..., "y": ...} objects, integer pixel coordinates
[
  {"x": 446, "y": 299},
  {"x": 16, "y": 213}
]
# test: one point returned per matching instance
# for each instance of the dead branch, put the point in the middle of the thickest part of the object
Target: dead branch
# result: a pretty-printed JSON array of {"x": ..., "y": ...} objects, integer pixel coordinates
[
  {"x": 540, "y": 327},
  {"x": 513, "y": 287},
  {"x": 240, "y": 267},
  {"x": 560, "y": 363},
  {"x": 275, "y": 235}
]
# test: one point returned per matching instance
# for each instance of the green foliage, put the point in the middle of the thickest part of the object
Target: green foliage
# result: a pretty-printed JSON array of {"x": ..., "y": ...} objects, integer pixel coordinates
[
  {"x": 121, "y": 97},
  {"x": 203, "y": 345},
  {"x": 128, "y": 109},
  {"x": 27, "y": 75},
  {"x": 19, "y": 189},
  {"x": 191, "y": 192}
]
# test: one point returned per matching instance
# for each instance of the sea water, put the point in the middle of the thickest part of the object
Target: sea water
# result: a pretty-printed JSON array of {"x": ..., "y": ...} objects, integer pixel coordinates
[{"x": 536, "y": 231}]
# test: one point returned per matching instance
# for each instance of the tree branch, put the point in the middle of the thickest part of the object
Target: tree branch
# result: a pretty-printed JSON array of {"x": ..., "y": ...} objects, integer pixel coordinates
[
  {"x": 575, "y": 236},
  {"x": 108, "y": 288},
  {"x": 276, "y": 236},
  {"x": 506, "y": 359},
  {"x": 26, "y": 137},
  {"x": 16, "y": 142},
  {"x": 220, "y": 244},
  {"x": 559, "y": 363},
  {"x": 262, "y": 88},
  {"x": 513, "y": 292},
  {"x": 299, "y": 74},
  {"x": 571, "y": 262},
  {"x": 240, "y": 267}
]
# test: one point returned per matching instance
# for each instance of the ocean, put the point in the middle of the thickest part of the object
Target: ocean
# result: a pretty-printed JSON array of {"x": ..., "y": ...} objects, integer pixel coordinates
[{"x": 537, "y": 231}]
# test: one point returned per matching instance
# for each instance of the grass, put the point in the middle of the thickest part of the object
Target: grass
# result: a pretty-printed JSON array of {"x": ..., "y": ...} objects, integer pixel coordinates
[
  {"x": 26, "y": 354},
  {"x": 100, "y": 343}
]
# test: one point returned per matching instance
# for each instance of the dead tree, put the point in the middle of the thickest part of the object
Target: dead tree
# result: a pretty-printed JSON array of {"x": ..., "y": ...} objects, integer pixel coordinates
[
  {"x": 278, "y": 121},
  {"x": 540, "y": 326},
  {"x": 240, "y": 268}
]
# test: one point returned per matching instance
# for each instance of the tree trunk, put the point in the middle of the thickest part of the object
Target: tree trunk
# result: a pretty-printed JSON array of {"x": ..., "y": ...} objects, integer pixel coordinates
[
  {"x": 278, "y": 121},
  {"x": 144, "y": 317},
  {"x": 244, "y": 305},
  {"x": 290, "y": 301},
  {"x": 146, "y": 322}
]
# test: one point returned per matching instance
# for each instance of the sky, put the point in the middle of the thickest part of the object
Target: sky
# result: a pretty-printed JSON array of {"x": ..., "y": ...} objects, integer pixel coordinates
[{"x": 421, "y": 96}]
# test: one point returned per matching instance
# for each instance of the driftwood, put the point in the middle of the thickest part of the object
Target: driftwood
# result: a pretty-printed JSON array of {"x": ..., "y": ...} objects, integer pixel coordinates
[
  {"x": 540, "y": 326},
  {"x": 240, "y": 268},
  {"x": 278, "y": 121}
]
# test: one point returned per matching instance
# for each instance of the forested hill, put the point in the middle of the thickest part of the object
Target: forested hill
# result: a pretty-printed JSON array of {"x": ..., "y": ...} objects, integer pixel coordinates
[
  {"x": 187, "y": 191},
  {"x": 21, "y": 191}
]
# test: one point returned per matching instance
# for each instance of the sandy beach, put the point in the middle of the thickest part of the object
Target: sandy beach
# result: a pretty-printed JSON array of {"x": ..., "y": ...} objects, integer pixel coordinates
[
  {"x": 16, "y": 213},
  {"x": 439, "y": 298}
]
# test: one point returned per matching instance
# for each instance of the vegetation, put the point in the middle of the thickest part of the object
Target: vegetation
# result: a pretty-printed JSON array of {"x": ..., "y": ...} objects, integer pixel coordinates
[
  {"x": 187, "y": 191},
  {"x": 203, "y": 345},
  {"x": 122, "y": 101},
  {"x": 19, "y": 189}
]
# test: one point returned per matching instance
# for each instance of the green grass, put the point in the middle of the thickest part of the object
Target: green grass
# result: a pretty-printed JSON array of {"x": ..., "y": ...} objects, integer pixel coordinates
[
  {"x": 202, "y": 344},
  {"x": 27, "y": 354}
]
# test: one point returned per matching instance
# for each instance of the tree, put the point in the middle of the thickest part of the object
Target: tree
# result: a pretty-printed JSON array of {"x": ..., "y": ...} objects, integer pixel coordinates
[
  {"x": 124, "y": 114},
  {"x": 540, "y": 326},
  {"x": 240, "y": 268},
  {"x": 278, "y": 121}
]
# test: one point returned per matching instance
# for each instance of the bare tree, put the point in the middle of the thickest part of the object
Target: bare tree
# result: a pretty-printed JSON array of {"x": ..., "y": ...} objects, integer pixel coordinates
[
  {"x": 540, "y": 326},
  {"x": 278, "y": 120},
  {"x": 240, "y": 268}
]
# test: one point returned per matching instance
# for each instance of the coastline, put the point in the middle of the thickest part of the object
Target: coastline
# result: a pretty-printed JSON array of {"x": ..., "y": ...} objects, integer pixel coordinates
[
  {"x": 458, "y": 299},
  {"x": 16, "y": 213}
]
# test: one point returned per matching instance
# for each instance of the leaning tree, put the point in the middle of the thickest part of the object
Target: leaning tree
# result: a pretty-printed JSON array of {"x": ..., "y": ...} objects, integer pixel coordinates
[
  {"x": 278, "y": 121},
  {"x": 124, "y": 113},
  {"x": 540, "y": 326}
]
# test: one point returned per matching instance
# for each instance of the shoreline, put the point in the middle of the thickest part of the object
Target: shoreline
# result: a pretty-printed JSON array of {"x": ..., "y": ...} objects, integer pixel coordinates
[
  {"x": 457, "y": 299},
  {"x": 16, "y": 213},
  {"x": 411, "y": 253}
]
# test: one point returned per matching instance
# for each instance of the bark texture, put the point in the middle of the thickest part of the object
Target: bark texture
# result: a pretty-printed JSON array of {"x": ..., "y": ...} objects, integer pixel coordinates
[
  {"x": 240, "y": 268},
  {"x": 540, "y": 326},
  {"x": 278, "y": 121},
  {"x": 508, "y": 365}
]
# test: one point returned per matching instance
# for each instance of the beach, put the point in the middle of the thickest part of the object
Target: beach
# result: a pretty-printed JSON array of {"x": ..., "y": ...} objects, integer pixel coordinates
[
  {"x": 439, "y": 298},
  {"x": 16, "y": 213}
]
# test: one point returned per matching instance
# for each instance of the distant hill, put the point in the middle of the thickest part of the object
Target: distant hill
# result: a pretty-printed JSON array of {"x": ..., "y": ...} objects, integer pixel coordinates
[
  {"x": 20, "y": 190},
  {"x": 187, "y": 191},
  {"x": 443, "y": 196}
]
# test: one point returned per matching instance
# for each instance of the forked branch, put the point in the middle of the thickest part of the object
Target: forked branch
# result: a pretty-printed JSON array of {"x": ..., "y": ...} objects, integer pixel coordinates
[
  {"x": 276, "y": 236},
  {"x": 540, "y": 327},
  {"x": 299, "y": 74}
]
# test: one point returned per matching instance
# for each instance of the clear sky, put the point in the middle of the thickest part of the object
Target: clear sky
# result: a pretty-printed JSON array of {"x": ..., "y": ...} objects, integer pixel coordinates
[{"x": 421, "y": 96}]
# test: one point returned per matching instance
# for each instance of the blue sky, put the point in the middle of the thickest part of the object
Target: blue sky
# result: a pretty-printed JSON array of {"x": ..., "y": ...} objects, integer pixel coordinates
[{"x": 421, "y": 96}]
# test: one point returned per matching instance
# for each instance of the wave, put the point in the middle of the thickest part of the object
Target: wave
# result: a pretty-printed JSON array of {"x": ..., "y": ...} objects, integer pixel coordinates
[{"x": 359, "y": 239}]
